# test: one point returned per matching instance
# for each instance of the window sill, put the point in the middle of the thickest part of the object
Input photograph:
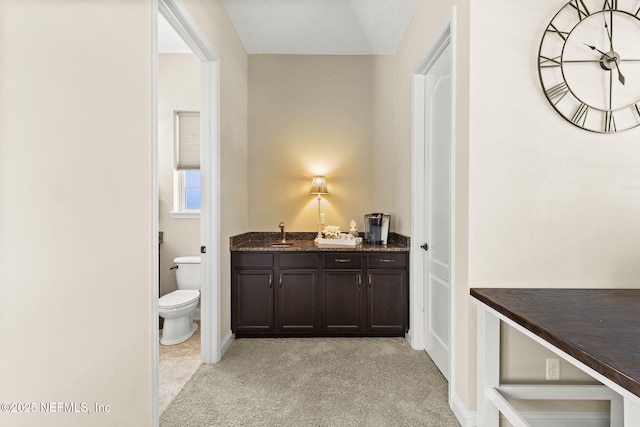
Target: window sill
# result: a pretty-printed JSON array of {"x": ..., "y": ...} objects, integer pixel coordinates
[{"x": 178, "y": 214}]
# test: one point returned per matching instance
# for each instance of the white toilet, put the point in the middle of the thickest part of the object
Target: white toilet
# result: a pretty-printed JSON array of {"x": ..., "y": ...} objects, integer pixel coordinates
[{"x": 178, "y": 307}]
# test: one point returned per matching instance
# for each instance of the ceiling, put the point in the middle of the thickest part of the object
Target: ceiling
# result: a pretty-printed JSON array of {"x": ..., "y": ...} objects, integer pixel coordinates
[{"x": 313, "y": 27}]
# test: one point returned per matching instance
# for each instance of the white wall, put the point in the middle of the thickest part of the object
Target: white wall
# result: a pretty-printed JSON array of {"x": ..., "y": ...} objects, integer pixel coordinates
[
  {"x": 76, "y": 209},
  {"x": 551, "y": 204},
  {"x": 178, "y": 89}
]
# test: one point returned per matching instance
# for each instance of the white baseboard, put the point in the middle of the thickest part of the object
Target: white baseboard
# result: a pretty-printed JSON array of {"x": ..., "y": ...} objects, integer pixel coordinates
[
  {"x": 468, "y": 418},
  {"x": 226, "y": 342},
  {"x": 465, "y": 417}
]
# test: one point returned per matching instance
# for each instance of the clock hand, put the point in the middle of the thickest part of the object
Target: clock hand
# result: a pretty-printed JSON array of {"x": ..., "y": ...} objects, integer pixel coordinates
[
  {"x": 611, "y": 91},
  {"x": 598, "y": 50},
  {"x": 620, "y": 76},
  {"x": 615, "y": 57},
  {"x": 609, "y": 32}
]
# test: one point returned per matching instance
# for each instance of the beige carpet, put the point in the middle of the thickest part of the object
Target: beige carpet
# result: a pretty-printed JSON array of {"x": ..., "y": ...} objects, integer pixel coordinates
[{"x": 315, "y": 382}]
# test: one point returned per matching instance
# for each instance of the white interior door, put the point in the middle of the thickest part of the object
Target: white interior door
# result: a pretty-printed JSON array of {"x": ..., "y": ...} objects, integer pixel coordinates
[{"x": 437, "y": 197}]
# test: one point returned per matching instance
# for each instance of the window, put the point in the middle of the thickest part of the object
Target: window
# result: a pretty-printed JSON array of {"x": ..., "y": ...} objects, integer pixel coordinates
[
  {"x": 186, "y": 195},
  {"x": 191, "y": 190}
]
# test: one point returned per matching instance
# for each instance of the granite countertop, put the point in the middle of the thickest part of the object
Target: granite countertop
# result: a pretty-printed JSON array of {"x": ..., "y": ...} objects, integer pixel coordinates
[
  {"x": 598, "y": 327},
  {"x": 303, "y": 242}
]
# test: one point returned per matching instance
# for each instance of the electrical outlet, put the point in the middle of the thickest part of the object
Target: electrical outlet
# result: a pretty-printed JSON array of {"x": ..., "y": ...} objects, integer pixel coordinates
[{"x": 553, "y": 369}]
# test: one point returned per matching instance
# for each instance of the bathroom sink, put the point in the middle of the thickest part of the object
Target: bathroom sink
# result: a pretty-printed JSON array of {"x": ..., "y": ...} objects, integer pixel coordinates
[{"x": 281, "y": 245}]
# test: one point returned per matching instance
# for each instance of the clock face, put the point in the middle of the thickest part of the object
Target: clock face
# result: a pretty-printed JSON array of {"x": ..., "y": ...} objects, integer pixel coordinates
[{"x": 589, "y": 64}]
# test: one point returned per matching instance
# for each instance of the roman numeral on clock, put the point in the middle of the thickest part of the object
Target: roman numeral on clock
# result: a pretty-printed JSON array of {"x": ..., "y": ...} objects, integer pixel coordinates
[
  {"x": 556, "y": 93},
  {"x": 609, "y": 122},
  {"x": 550, "y": 62},
  {"x": 553, "y": 29},
  {"x": 580, "y": 116},
  {"x": 581, "y": 8},
  {"x": 610, "y": 5}
]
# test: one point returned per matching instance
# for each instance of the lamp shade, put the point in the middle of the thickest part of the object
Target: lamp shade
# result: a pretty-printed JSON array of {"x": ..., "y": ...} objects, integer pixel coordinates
[{"x": 318, "y": 185}]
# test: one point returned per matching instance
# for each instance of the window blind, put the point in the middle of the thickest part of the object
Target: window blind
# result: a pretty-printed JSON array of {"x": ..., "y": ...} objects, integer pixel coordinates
[{"x": 187, "y": 149}]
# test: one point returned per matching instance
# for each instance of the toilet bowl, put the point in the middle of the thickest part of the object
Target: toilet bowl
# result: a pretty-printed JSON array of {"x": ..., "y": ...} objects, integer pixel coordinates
[{"x": 178, "y": 307}]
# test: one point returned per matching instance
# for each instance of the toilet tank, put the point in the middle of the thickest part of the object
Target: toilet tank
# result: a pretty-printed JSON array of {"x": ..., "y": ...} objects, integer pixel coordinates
[{"x": 189, "y": 272}]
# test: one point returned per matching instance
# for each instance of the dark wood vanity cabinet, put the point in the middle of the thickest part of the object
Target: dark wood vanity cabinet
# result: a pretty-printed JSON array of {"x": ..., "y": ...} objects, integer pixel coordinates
[
  {"x": 342, "y": 292},
  {"x": 254, "y": 300},
  {"x": 296, "y": 307},
  {"x": 387, "y": 288},
  {"x": 320, "y": 293},
  {"x": 252, "y": 293}
]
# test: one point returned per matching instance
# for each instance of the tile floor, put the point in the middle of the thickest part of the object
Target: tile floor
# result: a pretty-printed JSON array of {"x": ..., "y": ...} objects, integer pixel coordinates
[{"x": 177, "y": 364}]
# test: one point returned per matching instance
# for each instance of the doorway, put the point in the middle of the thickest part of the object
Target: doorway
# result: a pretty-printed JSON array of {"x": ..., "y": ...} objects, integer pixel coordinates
[
  {"x": 179, "y": 193},
  {"x": 433, "y": 209},
  {"x": 179, "y": 19}
]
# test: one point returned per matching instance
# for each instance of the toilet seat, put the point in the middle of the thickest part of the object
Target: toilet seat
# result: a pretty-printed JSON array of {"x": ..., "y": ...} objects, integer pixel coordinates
[
  {"x": 179, "y": 298},
  {"x": 187, "y": 260}
]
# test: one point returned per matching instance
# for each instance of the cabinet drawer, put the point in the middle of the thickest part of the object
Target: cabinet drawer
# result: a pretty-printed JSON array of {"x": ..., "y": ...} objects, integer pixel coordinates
[
  {"x": 342, "y": 260},
  {"x": 304, "y": 260},
  {"x": 387, "y": 260},
  {"x": 248, "y": 260}
]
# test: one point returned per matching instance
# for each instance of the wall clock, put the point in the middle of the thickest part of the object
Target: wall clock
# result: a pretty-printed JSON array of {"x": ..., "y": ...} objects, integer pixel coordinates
[{"x": 589, "y": 64}]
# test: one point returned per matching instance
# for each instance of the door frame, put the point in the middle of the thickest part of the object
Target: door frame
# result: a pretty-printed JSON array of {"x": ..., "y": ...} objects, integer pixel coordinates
[
  {"x": 446, "y": 37},
  {"x": 179, "y": 18}
]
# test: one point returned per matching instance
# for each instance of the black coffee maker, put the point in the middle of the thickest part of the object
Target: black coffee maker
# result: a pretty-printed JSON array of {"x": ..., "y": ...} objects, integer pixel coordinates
[{"x": 376, "y": 228}]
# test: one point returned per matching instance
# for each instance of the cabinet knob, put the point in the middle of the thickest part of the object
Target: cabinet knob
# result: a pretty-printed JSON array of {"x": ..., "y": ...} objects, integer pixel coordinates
[
  {"x": 342, "y": 260},
  {"x": 425, "y": 247}
]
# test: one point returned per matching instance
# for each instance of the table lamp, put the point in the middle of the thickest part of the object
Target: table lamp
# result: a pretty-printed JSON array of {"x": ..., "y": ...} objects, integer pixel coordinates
[{"x": 319, "y": 187}]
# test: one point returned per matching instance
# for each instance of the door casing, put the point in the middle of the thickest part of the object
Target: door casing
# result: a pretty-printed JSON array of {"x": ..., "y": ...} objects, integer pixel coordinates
[
  {"x": 446, "y": 37},
  {"x": 210, "y": 347}
]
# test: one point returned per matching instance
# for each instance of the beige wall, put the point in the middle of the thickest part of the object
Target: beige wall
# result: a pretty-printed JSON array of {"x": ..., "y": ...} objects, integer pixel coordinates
[
  {"x": 76, "y": 209},
  {"x": 388, "y": 162},
  {"x": 310, "y": 115},
  {"x": 214, "y": 22},
  {"x": 178, "y": 89}
]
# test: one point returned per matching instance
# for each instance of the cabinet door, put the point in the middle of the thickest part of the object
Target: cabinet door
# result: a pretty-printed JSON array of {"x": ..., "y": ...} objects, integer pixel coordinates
[
  {"x": 342, "y": 301},
  {"x": 253, "y": 300},
  {"x": 387, "y": 300},
  {"x": 296, "y": 306}
]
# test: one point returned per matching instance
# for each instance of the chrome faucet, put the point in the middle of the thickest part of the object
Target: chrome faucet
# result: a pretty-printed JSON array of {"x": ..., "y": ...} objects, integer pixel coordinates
[{"x": 283, "y": 234}]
